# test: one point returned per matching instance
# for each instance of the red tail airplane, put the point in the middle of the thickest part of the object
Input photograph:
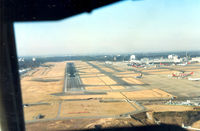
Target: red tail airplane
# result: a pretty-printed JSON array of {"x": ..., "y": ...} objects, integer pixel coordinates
[{"x": 182, "y": 75}]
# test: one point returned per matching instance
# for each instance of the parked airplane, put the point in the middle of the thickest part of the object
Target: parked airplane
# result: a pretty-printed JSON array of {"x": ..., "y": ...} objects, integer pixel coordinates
[
  {"x": 182, "y": 75},
  {"x": 166, "y": 64},
  {"x": 194, "y": 79},
  {"x": 183, "y": 64},
  {"x": 138, "y": 65}
]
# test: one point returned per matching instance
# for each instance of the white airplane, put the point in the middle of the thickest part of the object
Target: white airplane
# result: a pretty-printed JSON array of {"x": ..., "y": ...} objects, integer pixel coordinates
[
  {"x": 194, "y": 79},
  {"x": 182, "y": 64}
]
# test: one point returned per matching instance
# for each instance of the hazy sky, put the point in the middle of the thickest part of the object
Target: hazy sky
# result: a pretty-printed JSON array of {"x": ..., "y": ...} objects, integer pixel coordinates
[{"x": 141, "y": 26}]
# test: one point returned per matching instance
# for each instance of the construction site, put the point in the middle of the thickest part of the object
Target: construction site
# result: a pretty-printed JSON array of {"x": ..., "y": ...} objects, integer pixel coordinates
[{"x": 60, "y": 95}]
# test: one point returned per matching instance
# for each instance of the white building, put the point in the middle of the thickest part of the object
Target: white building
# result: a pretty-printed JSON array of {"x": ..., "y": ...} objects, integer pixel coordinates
[
  {"x": 132, "y": 57},
  {"x": 145, "y": 60},
  {"x": 174, "y": 58}
]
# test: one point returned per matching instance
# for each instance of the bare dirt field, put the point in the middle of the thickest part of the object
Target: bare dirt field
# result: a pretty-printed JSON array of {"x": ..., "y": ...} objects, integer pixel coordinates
[
  {"x": 107, "y": 80},
  {"x": 128, "y": 75},
  {"x": 92, "y": 81},
  {"x": 77, "y": 124},
  {"x": 117, "y": 87},
  {"x": 94, "y": 108},
  {"x": 147, "y": 94},
  {"x": 132, "y": 81},
  {"x": 97, "y": 88},
  {"x": 49, "y": 111},
  {"x": 196, "y": 124},
  {"x": 36, "y": 89}
]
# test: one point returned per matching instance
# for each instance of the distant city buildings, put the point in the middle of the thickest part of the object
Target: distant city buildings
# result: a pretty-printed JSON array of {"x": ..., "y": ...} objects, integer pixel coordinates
[
  {"x": 172, "y": 58},
  {"x": 132, "y": 58},
  {"x": 21, "y": 59},
  {"x": 187, "y": 102}
]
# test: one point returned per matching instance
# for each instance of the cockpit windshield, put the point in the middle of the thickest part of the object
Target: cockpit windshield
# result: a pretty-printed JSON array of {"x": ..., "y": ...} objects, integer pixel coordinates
[{"x": 129, "y": 64}]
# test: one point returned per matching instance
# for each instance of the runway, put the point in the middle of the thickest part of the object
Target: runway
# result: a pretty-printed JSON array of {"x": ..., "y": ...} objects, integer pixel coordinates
[{"x": 72, "y": 80}]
